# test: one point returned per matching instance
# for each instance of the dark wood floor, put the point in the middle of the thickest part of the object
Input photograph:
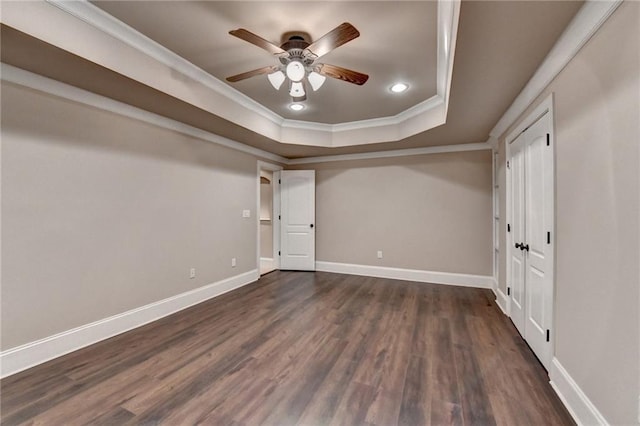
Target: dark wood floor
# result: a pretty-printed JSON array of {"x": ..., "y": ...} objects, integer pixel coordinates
[{"x": 302, "y": 348}]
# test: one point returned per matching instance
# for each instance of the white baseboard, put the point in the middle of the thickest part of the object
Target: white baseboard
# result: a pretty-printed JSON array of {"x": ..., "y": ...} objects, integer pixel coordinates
[
  {"x": 465, "y": 280},
  {"x": 577, "y": 403},
  {"x": 502, "y": 301},
  {"x": 266, "y": 265},
  {"x": 31, "y": 354}
]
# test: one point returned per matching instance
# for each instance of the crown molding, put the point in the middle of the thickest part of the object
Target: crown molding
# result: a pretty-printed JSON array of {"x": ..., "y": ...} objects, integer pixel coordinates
[
  {"x": 582, "y": 27},
  {"x": 101, "y": 20},
  {"x": 49, "y": 86},
  {"x": 43, "y": 84},
  {"x": 83, "y": 23},
  {"x": 393, "y": 153}
]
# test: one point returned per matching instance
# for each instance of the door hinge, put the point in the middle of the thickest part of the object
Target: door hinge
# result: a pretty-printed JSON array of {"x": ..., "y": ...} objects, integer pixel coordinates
[
  {"x": 508, "y": 227},
  {"x": 508, "y": 291},
  {"x": 508, "y": 165},
  {"x": 548, "y": 237},
  {"x": 547, "y": 334},
  {"x": 279, "y": 217},
  {"x": 278, "y": 252},
  {"x": 548, "y": 139},
  {"x": 279, "y": 181}
]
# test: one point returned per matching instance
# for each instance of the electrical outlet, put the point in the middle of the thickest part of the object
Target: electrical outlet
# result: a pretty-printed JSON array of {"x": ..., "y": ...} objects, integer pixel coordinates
[
  {"x": 192, "y": 273},
  {"x": 246, "y": 213},
  {"x": 233, "y": 262},
  {"x": 379, "y": 254}
]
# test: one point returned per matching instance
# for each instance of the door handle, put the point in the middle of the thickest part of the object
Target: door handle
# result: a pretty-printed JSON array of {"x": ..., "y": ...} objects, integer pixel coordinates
[
  {"x": 518, "y": 245},
  {"x": 311, "y": 225},
  {"x": 524, "y": 247}
]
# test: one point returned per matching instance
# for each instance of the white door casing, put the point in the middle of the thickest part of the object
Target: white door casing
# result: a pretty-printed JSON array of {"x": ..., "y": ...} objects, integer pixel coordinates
[
  {"x": 297, "y": 241},
  {"x": 530, "y": 243},
  {"x": 276, "y": 211}
]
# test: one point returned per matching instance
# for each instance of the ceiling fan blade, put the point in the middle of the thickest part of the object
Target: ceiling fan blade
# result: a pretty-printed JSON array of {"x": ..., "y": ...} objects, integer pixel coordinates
[
  {"x": 340, "y": 35},
  {"x": 340, "y": 73},
  {"x": 249, "y": 74},
  {"x": 256, "y": 40}
]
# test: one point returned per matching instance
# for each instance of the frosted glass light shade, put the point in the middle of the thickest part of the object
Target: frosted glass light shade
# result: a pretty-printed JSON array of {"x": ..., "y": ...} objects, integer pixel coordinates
[
  {"x": 276, "y": 79},
  {"x": 295, "y": 71},
  {"x": 316, "y": 80},
  {"x": 297, "y": 89}
]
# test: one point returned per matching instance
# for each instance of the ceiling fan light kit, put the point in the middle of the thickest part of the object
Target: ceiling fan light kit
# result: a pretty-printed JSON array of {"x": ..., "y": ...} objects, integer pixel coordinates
[
  {"x": 297, "y": 89},
  {"x": 276, "y": 79},
  {"x": 297, "y": 61},
  {"x": 316, "y": 80}
]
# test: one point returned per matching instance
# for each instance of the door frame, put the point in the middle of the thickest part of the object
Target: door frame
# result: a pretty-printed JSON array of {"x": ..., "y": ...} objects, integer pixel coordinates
[
  {"x": 275, "y": 228},
  {"x": 545, "y": 107}
]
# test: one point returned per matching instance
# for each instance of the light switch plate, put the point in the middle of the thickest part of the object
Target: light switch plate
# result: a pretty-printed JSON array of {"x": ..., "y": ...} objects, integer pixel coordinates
[{"x": 246, "y": 213}]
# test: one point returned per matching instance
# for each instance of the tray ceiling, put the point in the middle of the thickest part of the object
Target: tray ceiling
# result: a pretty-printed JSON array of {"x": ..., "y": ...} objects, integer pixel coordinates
[
  {"x": 499, "y": 46},
  {"x": 198, "y": 32}
]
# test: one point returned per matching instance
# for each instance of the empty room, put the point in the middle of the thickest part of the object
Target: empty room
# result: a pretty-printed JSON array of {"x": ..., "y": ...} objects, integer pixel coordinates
[{"x": 320, "y": 212}]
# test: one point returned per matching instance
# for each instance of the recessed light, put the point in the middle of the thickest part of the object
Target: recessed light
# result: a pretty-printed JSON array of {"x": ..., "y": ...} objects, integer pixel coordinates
[
  {"x": 296, "y": 107},
  {"x": 399, "y": 87}
]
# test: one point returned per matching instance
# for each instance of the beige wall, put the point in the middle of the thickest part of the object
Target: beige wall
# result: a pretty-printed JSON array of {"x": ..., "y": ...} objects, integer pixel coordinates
[
  {"x": 427, "y": 212},
  {"x": 597, "y": 119},
  {"x": 102, "y": 214}
]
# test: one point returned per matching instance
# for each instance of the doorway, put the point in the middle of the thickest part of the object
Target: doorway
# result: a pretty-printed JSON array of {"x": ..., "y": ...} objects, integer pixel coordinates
[{"x": 268, "y": 210}]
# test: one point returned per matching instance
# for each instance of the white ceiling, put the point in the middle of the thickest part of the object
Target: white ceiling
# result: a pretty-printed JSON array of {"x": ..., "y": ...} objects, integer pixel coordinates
[{"x": 499, "y": 46}]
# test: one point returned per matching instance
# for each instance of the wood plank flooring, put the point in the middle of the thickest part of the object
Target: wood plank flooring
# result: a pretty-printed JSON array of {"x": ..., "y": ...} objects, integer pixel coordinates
[{"x": 302, "y": 348}]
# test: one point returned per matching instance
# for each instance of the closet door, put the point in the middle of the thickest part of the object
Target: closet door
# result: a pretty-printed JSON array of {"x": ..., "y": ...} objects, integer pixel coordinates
[
  {"x": 530, "y": 251},
  {"x": 538, "y": 247},
  {"x": 516, "y": 254}
]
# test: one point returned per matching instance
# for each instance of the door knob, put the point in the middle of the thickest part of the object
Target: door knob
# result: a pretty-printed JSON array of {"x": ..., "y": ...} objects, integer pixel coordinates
[
  {"x": 518, "y": 245},
  {"x": 524, "y": 247},
  {"x": 311, "y": 225}
]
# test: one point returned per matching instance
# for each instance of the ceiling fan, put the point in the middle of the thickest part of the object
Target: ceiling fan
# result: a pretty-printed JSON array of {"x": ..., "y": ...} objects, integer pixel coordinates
[{"x": 297, "y": 57}]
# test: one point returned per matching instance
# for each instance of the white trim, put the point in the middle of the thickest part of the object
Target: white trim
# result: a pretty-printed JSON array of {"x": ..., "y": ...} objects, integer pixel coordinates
[
  {"x": 103, "y": 21},
  {"x": 502, "y": 300},
  {"x": 545, "y": 106},
  {"x": 574, "y": 399},
  {"x": 254, "y": 116},
  {"x": 31, "y": 354},
  {"x": 266, "y": 264},
  {"x": 394, "y": 153},
  {"x": 262, "y": 165},
  {"x": 43, "y": 84},
  {"x": 583, "y": 26},
  {"x": 464, "y": 280}
]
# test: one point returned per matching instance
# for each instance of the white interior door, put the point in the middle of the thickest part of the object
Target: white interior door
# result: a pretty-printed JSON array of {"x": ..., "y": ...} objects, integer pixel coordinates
[
  {"x": 530, "y": 254},
  {"x": 298, "y": 233},
  {"x": 538, "y": 247},
  {"x": 516, "y": 255}
]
